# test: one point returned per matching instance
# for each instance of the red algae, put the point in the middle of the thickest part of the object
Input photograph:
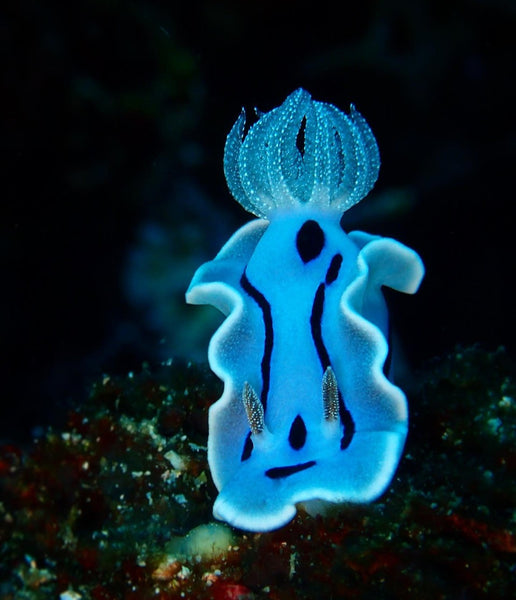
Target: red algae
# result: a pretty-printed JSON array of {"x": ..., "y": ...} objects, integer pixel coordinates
[{"x": 92, "y": 511}]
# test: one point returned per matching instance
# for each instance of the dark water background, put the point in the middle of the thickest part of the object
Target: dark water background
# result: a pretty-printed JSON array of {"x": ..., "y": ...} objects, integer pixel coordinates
[{"x": 113, "y": 121}]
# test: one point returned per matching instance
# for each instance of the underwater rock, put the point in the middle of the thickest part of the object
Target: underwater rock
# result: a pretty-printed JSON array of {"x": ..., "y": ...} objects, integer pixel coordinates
[{"x": 92, "y": 510}]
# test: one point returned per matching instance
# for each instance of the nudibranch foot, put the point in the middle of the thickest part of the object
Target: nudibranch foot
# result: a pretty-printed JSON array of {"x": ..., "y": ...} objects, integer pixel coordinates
[{"x": 308, "y": 410}]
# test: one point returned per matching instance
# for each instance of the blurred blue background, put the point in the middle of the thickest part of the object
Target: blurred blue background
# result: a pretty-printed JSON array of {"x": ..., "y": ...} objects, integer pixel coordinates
[{"x": 114, "y": 116}]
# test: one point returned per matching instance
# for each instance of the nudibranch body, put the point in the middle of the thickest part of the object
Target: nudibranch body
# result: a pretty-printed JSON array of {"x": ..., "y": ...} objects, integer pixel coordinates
[{"x": 308, "y": 410}]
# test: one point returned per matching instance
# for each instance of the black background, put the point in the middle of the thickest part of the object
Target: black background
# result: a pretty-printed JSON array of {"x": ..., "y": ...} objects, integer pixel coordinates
[{"x": 114, "y": 116}]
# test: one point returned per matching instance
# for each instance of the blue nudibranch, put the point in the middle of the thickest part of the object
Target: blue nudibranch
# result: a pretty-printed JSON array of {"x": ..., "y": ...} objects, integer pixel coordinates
[{"x": 308, "y": 411}]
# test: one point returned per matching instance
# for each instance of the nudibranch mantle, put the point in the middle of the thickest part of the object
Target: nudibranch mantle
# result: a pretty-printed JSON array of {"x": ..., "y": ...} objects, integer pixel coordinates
[{"x": 308, "y": 410}]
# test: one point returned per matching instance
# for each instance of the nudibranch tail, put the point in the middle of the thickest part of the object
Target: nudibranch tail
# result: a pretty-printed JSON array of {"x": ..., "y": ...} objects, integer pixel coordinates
[{"x": 298, "y": 153}]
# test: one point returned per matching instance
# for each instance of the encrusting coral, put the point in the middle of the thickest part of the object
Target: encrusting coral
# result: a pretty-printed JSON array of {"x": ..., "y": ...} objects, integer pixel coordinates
[{"x": 118, "y": 504}]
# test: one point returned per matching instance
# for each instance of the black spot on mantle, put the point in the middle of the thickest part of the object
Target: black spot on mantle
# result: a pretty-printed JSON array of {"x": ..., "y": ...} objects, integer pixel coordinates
[
  {"x": 310, "y": 241},
  {"x": 280, "y": 472}
]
